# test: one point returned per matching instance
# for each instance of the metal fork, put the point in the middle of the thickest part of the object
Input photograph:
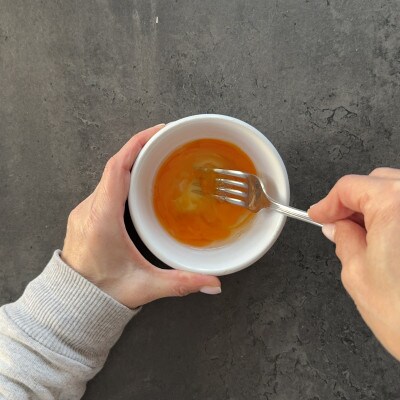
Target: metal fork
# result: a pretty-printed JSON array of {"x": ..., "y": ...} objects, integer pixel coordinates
[{"x": 248, "y": 191}]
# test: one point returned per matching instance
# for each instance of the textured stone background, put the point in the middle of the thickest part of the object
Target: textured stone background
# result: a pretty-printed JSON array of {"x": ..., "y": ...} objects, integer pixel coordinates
[{"x": 319, "y": 77}]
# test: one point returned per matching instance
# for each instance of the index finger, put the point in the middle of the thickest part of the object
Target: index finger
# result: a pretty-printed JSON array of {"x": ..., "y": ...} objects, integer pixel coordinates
[
  {"x": 128, "y": 153},
  {"x": 351, "y": 194},
  {"x": 114, "y": 184}
]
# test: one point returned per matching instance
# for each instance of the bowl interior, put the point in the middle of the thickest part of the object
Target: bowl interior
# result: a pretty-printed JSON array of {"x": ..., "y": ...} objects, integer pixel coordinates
[{"x": 232, "y": 255}]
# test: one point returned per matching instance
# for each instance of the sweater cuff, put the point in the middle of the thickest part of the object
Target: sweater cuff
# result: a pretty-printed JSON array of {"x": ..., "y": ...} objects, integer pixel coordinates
[{"x": 68, "y": 314}]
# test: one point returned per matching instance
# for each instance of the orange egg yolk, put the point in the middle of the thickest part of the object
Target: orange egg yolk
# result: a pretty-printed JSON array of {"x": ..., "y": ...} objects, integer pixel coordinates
[{"x": 193, "y": 218}]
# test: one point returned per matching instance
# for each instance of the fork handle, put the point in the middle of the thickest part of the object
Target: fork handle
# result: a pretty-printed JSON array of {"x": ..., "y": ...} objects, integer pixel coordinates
[{"x": 293, "y": 213}]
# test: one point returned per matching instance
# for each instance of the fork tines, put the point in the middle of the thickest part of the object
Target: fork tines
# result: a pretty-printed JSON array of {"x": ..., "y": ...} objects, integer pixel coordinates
[
  {"x": 231, "y": 182},
  {"x": 225, "y": 188},
  {"x": 230, "y": 172}
]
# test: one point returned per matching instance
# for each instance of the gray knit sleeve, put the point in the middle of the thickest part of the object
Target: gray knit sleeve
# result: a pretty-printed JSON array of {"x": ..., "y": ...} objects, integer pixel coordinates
[{"x": 57, "y": 335}]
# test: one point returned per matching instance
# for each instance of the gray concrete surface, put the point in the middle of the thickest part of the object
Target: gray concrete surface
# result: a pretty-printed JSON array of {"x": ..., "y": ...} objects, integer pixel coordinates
[{"x": 319, "y": 77}]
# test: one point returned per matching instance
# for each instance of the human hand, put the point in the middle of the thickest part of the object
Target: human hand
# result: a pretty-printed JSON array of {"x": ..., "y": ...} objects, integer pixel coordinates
[
  {"x": 98, "y": 246},
  {"x": 362, "y": 216}
]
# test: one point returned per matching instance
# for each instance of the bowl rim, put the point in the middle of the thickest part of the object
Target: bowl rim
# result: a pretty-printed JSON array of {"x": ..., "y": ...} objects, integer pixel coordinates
[{"x": 164, "y": 257}]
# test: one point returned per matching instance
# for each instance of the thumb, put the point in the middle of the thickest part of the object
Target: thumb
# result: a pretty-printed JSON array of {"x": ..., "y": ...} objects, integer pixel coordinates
[
  {"x": 351, "y": 246},
  {"x": 349, "y": 237},
  {"x": 170, "y": 283}
]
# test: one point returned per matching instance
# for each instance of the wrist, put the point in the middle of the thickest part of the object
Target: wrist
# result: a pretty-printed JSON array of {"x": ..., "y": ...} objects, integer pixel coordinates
[
  {"x": 99, "y": 276},
  {"x": 60, "y": 307}
]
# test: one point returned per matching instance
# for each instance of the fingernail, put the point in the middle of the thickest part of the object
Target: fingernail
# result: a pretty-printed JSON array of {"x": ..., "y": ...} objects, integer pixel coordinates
[
  {"x": 210, "y": 290},
  {"x": 159, "y": 125},
  {"x": 329, "y": 231},
  {"x": 312, "y": 206}
]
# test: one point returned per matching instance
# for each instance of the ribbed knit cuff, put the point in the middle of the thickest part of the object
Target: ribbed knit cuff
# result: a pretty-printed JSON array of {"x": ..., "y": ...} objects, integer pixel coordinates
[{"x": 69, "y": 315}]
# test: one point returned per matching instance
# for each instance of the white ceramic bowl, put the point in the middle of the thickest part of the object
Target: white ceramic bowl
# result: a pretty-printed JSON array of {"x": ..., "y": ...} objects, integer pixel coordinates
[{"x": 259, "y": 235}]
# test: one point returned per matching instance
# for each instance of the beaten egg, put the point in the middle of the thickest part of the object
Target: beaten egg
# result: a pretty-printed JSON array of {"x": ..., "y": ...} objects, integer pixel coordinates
[{"x": 193, "y": 218}]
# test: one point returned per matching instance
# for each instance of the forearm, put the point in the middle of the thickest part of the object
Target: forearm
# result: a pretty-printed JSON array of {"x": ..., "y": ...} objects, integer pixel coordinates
[{"x": 57, "y": 336}]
